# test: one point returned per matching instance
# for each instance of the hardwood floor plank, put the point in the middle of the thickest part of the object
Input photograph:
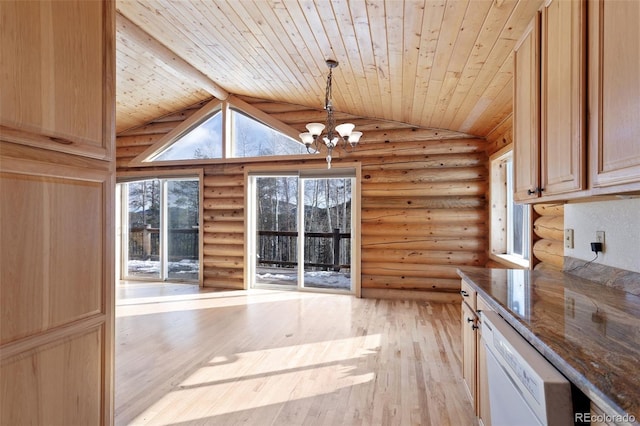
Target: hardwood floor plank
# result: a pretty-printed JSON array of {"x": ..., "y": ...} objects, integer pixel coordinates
[{"x": 191, "y": 356}]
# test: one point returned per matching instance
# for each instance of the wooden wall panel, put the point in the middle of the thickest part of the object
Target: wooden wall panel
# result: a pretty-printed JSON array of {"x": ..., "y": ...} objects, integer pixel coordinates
[
  {"x": 57, "y": 181},
  {"x": 423, "y": 205},
  {"x": 58, "y": 82},
  {"x": 39, "y": 387},
  {"x": 57, "y": 285}
]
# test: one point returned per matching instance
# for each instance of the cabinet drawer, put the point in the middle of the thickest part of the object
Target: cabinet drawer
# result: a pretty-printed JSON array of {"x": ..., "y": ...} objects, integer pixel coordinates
[
  {"x": 468, "y": 295},
  {"x": 481, "y": 305}
]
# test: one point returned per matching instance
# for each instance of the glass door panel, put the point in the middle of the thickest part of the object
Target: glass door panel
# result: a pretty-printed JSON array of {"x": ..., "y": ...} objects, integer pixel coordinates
[
  {"x": 142, "y": 257},
  {"x": 182, "y": 229},
  {"x": 327, "y": 238},
  {"x": 276, "y": 231}
]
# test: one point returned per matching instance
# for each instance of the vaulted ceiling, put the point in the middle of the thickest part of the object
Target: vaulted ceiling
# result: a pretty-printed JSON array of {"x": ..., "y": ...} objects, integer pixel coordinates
[{"x": 429, "y": 63}]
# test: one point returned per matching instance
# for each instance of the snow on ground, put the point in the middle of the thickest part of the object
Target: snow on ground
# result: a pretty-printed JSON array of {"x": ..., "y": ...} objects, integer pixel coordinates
[
  {"x": 188, "y": 269},
  {"x": 183, "y": 269},
  {"x": 318, "y": 279}
]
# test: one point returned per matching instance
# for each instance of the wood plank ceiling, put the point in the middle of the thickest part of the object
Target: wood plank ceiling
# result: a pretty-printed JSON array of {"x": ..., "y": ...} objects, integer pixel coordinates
[{"x": 430, "y": 63}]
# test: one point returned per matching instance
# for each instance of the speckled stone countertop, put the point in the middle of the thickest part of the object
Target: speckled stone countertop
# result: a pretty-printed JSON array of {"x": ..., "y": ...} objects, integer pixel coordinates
[{"x": 589, "y": 332}]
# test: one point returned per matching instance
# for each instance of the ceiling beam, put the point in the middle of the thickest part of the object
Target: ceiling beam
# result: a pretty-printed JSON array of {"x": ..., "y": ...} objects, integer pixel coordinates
[{"x": 167, "y": 56}]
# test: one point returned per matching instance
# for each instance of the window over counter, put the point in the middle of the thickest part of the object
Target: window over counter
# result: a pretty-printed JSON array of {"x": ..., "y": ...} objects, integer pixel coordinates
[{"x": 510, "y": 240}]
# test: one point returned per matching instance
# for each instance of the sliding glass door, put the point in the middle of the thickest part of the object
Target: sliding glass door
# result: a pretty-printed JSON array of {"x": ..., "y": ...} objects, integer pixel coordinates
[
  {"x": 276, "y": 230},
  {"x": 161, "y": 238},
  {"x": 318, "y": 258},
  {"x": 327, "y": 233}
]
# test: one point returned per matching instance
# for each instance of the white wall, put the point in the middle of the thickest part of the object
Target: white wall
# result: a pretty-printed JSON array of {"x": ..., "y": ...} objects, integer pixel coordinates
[{"x": 620, "y": 219}]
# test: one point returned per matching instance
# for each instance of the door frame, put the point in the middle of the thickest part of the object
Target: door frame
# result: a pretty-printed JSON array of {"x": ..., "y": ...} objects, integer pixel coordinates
[{"x": 271, "y": 170}]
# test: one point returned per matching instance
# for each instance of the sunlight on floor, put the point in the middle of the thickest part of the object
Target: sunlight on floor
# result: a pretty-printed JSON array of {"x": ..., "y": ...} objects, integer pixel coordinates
[
  {"x": 170, "y": 302},
  {"x": 192, "y": 356},
  {"x": 258, "y": 380}
]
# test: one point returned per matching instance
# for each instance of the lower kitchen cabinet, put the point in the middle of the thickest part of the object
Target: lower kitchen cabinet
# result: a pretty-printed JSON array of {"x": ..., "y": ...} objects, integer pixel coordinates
[
  {"x": 482, "y": 394},
  {"x": 474, "y": 371},
  {"x": 469, "y": 349}
]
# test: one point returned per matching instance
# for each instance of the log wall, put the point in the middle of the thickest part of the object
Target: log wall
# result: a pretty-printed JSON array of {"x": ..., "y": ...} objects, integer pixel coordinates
[
  {"x": 548, "y": 249},
  {"x": 423, "y": 203}
]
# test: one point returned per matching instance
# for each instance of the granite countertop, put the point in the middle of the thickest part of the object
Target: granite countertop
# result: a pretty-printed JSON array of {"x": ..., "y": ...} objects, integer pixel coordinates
[{"x": 589, "y": 332}]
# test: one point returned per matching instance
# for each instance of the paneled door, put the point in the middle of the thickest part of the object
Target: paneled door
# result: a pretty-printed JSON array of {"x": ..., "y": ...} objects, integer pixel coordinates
[{"x": 57, "y": 126}]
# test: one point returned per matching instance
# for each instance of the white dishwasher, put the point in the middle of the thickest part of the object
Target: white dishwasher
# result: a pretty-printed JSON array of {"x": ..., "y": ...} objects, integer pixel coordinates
[{"x": 524, "y": 388}]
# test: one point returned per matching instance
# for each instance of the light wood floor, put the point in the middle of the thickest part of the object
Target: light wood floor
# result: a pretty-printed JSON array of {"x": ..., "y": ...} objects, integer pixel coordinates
[{"x": 190, "y": 357}]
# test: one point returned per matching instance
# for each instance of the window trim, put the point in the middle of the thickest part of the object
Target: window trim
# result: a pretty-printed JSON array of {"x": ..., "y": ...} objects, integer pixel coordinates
[{"x": 498, "y": 230}]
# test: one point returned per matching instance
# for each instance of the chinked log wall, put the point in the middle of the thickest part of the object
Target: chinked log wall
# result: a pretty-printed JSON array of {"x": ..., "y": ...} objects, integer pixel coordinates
[
  {"x": 548, "y": 225},
  {"x": 423, "y": 204}
]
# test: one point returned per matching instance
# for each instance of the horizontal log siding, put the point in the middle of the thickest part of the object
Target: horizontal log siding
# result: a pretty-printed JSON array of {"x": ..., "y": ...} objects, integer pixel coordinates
[
  {"x": 423, "y": 204},
  {"x": 423, "y": 213},
  {"x": 549, "y": 228}
]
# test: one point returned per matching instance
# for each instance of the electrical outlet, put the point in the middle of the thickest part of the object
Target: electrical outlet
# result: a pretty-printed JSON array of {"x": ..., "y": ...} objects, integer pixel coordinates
[
  {"x": 568, "y": 238},
  {"x": 600, "y": 237}
]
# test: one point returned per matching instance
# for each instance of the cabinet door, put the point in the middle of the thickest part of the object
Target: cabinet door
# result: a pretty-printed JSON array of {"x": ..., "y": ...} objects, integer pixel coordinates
[
  {"x": 57, "y": 86},
  {"x": 469, "y": 350},
  {"x": 563, "y": 140},
  {"x": 56, "y": 309},
  {"x": 614, "y": 101},
  {"x": 484, "y": 409},
  {"x": 526, "y": 113}
]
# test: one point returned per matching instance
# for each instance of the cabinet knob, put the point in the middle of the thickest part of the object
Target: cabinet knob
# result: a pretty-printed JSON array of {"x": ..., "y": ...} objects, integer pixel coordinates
[
  {"x": 474, "y": 327},
  {"x": 532, "y": 191},
  {"x": 469, "y": 319},
  {"x": 464, "y": 293}
]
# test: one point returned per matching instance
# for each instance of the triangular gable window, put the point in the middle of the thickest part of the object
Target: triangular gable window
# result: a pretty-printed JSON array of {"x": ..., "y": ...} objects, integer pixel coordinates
[
  {"x": 249, "y": 133},
  {"x": 251, "y": 138},
  {"x": 202, "y": 142}
]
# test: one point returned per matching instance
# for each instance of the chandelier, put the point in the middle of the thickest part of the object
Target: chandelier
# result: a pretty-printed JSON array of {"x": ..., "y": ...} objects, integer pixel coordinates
[{"x": 341, "y": 135}]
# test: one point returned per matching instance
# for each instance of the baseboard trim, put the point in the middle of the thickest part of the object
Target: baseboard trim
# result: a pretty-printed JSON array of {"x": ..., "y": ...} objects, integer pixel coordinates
[{"x": 428, "y": 296}]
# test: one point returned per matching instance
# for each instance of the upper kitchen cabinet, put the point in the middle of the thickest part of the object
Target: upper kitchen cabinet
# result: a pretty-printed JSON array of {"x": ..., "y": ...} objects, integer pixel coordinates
[
  {"x": 549, "y": 103},
  {"x": 526, "y": 112},
  {"x": 563, "y": 76},
  {"x": 614, "y": 97},
  {"x": 57, "y": 85}
]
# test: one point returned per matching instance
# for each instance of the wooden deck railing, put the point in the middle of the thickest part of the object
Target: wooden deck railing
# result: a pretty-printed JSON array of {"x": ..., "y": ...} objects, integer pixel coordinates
[
  {"x": 144, "y": 243},
  {"x": 336, "y": 236}
]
